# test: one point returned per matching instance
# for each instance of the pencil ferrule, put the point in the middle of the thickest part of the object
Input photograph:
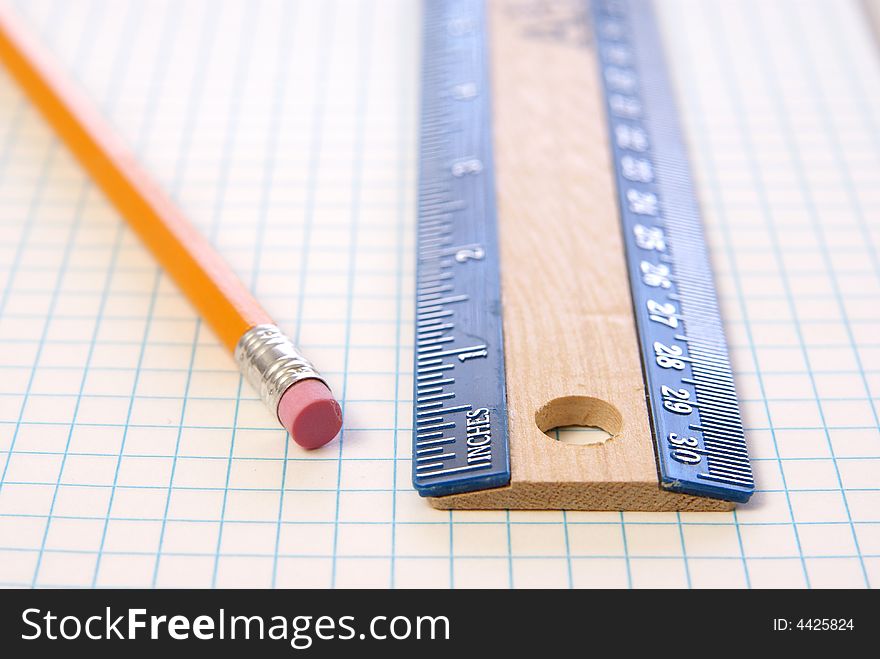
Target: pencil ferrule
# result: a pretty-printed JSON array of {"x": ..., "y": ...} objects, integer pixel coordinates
[{"x": 271, "y": 363}]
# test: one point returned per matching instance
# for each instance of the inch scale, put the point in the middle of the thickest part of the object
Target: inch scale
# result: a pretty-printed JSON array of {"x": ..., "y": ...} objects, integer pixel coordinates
[
  {"x": 460, "y": 412},
  {"x": 460, "y": 439}
]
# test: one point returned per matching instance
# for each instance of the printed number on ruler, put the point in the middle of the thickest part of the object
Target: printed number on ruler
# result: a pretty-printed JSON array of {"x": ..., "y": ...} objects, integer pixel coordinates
[
  {"x": 697, "y": 428},
  {"x": 460, "y": 415}
]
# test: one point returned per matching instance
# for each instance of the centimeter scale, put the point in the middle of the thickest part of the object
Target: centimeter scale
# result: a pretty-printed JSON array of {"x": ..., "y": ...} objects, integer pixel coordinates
[{"x": 563, "y": 277}]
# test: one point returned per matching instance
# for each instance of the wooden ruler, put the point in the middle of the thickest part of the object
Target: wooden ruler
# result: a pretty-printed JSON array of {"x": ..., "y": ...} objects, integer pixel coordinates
[{"x": 572, "y": 350}]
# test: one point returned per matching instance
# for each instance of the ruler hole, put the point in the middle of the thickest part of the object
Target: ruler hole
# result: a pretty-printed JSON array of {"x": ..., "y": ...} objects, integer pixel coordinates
[
  {"x": 579, "y": 435},
  {"x": 579, "y": 420}
]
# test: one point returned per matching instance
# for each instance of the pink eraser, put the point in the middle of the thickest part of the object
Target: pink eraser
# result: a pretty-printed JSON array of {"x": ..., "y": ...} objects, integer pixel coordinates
[{"x": 310, "y": 413}]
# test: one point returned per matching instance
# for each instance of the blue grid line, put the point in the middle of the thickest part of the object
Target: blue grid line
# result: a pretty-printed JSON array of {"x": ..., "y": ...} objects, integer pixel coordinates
[
  {"x": 206, "y": 43},
  {"x": 497, "y": 557},
  {"x": 724, "y": 225},
  {"x": 684, "y": 554},
  {"x": 306, "y": 521},
  {"x": 282, "y": 65},
  {"x": 629, "y": 579},
  {"x": 49, "y": 154},
  {"x": 772, "y": 81},
  {"x": 225, "y": 489},
  {"x": 434, "y": 557},
  {"x": 842, "y": 44},
  {"x": 316, "y": 155},
  {"x": 451, "y": 556},
  {"x": 41, "y": 183},
  {"x": 365, "y": 18},
  {"x": 768, "y": 218},
  {"x": 121, "y": 454},
  {"x": 243, "y": 62},
  {"x": 847, "y": 179},
  {"x": 406, "y": 128},
  {"x": 567, "y": 546},
  {"x": 119, "y": 68},
  {"x": 86, "y": 188},
  {"x": 510, "y": 583}
]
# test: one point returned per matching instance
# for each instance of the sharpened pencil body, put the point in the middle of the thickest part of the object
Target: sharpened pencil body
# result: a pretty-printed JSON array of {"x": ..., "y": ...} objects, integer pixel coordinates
[
  {"x": 288, "y": 383},
  {"x": 211, "y": 286}
]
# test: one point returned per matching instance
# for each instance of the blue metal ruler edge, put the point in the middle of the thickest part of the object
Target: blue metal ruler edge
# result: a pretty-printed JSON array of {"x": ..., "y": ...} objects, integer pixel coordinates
[
  {"x": 460, "y": 439},
  {"x": 699, "y": 438}
]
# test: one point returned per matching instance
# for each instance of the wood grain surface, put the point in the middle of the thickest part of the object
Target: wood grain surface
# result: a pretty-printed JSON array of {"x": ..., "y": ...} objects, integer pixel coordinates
[{"x": 570, "y": 341}]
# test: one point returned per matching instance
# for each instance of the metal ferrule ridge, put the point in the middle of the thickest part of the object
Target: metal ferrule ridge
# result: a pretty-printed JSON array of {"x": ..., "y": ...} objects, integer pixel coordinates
[{"x": 272, "y": 363}]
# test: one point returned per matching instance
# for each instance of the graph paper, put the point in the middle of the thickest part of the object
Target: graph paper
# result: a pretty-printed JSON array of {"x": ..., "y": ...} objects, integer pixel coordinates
[{"x": 131, "y": 453}]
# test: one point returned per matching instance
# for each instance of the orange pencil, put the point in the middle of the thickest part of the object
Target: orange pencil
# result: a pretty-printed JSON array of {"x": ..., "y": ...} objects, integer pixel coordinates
[{"x": 287, "y": 381}]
